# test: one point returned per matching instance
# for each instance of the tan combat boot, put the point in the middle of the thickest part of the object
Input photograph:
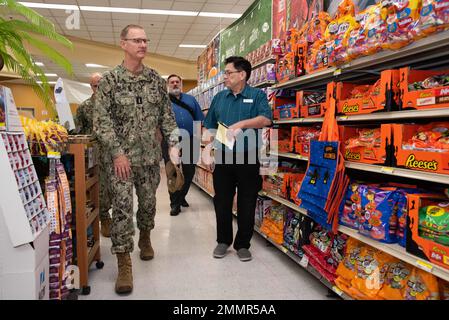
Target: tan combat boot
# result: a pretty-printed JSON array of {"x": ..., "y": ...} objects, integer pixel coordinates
[
  {"x": 124, "y": 283},
  {"x": 106, "y": 227},
  {"x": 146, "y": 251}
]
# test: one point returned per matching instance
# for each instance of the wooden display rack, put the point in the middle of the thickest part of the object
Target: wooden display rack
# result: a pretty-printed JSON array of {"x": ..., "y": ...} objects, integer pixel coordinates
[{"x": 78, "y": 146}]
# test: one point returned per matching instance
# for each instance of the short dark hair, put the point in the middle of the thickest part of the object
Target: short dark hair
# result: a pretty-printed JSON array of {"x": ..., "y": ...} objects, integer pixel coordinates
[
  {"x": 241, "y": 64},
  {"x": 125, "y": 30},
  {"x": 172, "y": 76}
]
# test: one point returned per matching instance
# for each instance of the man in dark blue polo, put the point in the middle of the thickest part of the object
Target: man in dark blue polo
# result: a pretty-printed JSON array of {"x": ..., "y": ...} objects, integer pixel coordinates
[
  {"x": 240, "y": 110},
  {"x": 187, "y": 110}
]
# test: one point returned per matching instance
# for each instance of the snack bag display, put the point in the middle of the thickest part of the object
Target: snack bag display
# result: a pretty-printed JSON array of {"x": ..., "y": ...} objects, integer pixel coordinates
[
  {"x": 346, "y": 270},
  {"x": 402, "y": 16},
  {"x": 375, "y": 28},
  {"x": 316, "y": 27},
  {"x": 370, "y": 273},
  {"x": 273, "y": 224},
  {"x": 433, "y": 17},
  {"x": 292, "y": 228},
  {"x": 421, "y": 285},
  {"x": 351, "y": 209},
  {"x": 396, "y": 279},
  {"x": 379, "y": 213},
  {"x": 338, "y": 36},
  {"x": 444, "y": 289}
]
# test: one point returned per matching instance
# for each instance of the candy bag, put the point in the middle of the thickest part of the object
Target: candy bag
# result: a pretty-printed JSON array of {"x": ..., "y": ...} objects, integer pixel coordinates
[
  {"x": 421, "y": 285},
  {"x": 395, "y": 281},
  {"x": 402, "y": 16}
]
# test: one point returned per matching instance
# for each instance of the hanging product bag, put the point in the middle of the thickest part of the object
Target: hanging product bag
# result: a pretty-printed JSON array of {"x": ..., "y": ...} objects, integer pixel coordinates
[{"x": 325, "y": 182}]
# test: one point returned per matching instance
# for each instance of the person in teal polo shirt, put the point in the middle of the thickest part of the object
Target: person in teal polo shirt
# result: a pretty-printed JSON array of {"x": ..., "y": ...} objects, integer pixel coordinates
[{"x": 242, "y": 110}]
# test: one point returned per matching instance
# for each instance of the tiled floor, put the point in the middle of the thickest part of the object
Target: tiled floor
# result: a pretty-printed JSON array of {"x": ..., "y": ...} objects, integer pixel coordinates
[{"x": 183, "y": 267}]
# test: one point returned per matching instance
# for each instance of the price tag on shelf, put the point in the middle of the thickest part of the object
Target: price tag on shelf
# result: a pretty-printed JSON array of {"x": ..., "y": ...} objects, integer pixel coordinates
[
  {"x": 337, "y": 290},
  {"x": 424, "y": 265},
  {"x": 284, "y": 250},
  {"x": 301, "y": 119},
  {"x": 343, "y": 118},
  {"x": 54, "y": 155},
  {"x": 337, "y": 72},
  {"x": 304, "y": 261},
  {"x": 387, "y": 170}
]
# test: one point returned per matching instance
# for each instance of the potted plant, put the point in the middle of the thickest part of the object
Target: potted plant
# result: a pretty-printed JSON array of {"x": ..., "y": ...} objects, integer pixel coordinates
[{"x": 15, "y": 34}]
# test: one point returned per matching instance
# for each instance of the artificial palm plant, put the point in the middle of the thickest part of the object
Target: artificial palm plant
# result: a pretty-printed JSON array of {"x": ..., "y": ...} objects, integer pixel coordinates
[{"x": 15, "y": 34}]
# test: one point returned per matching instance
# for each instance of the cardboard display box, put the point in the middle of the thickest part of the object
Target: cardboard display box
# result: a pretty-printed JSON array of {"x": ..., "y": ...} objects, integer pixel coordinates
[
  {"x": 422, "y": 99},
  {"x": 370, "y": 152},
  {"x": 435, "y": 162},
  {"x": 383, "y": 95}
]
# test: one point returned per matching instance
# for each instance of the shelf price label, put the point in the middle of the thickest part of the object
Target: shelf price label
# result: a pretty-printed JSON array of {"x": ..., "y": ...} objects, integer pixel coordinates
[
  {"x": 337, "y": 72},
  {"x": 387, "y": 170},
  {"x": 54, "y": 155},
  {"x": 343, "y": 118},
  {"x": 304, "y": 261},
  {"x": 424, "y": 265},
  {"x": 284, "y": 250},
  {"x": 337, "y": 290}
]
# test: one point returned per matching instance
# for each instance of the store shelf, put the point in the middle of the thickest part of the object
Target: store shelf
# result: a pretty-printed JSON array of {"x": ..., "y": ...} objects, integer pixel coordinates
[
  {"x": 202, "y": 188},
  {"x": 283, "y": 201},
  {"x": 91, "y": 182},
  {"x": 397, "y": 115},
  {"x": 92, "y": 252},
  {"x": 406, "y": 173},
  {"x": 92, "y": 215},
  {"x": 307, "y": 267},
  {"x": 299, "y": 120},
  {"x": 289, "y": 155},
  {"x": 393, "y": 249},
  {"x": 399, "y": 252},
  {"x": 266, "y": 61},
  {"x": 398, "y": 172},
  {"x": 264, "y": 84},
  {"x": 211, "y": 87},
  {"x": 429, "y": 49}
]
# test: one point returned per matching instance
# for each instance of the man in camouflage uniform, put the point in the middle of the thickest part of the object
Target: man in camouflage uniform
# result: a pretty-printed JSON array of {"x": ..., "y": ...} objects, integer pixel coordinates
[
  {"x": 84, "y": 125},
  {"x": 130, "y": 105}
]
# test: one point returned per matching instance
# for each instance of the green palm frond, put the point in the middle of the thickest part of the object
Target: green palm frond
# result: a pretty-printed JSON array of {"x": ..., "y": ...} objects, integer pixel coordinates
[{"x": 13, "y": 36}]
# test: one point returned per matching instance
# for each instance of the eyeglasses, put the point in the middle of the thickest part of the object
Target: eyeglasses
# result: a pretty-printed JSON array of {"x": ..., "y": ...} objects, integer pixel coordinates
[
  {"x": 138, "y": 41},
  {"x": 228, "y": 73}
]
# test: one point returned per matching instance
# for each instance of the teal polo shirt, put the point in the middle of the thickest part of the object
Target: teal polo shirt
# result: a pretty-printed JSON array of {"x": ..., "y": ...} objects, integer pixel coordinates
[{"x": 229, "y": 109}]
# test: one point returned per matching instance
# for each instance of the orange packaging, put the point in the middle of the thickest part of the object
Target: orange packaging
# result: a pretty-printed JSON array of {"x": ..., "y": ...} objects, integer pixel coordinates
[
  {"x": 308, "y": 108},
  {"x": 362, "y": 99},
  {"x": 291, "y": 185},
  {"x": 437, "y": 97},
  {"x": 285, "y": 108},
  {"x": 301, "y": 137},
  {"x": 422, "y": 147},
  {"x": 366, "y": 145},
  {"x": 282, "y": 137},
  {"x": 317, "y": 58},
  {"x": 434, "y": 252}
]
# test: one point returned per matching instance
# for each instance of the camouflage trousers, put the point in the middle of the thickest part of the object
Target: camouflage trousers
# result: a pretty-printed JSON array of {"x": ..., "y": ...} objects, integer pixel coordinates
[
  {"x": 104, "y": 166},
  {"x": 146, "y": 180}
]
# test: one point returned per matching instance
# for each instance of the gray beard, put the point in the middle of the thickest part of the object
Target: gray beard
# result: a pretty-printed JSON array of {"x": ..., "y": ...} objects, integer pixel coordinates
[{"x": 175, "y": 92}]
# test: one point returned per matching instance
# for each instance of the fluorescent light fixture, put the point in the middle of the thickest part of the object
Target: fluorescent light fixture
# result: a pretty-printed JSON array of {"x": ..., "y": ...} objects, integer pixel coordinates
[
  {"x": 50, "y": 6},
  {"x": 93, "y": 65},
  {"x": 192, "y": 46},
  {"x": 139, "y": 11},
  {"x": 51, "y": 75},
  {"x": 220, "y": 15},
  {"x": 39, "y": 64}
]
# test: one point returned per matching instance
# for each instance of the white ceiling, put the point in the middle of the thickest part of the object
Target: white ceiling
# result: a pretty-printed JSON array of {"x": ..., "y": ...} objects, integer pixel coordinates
[{"x": 165, "y": 32}]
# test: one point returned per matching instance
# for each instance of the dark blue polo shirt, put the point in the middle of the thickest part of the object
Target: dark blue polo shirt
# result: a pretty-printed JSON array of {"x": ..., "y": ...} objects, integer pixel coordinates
[
  {"x": 229, "y": 109},
  {"x": 183, "y": 117}
]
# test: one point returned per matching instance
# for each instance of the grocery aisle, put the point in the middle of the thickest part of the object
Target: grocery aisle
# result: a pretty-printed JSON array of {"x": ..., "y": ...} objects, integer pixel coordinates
[{"x": 183, "y": 267}]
